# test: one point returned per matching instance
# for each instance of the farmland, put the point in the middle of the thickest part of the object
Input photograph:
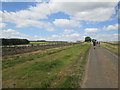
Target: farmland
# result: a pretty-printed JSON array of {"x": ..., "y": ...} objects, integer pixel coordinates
[
  {"x": 60, "y": 67},
  {"x": 46, "y": 42}
]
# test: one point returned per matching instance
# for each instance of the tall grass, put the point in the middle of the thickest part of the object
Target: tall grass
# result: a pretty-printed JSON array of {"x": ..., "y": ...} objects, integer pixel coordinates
[{"x": 111, "y": 46}]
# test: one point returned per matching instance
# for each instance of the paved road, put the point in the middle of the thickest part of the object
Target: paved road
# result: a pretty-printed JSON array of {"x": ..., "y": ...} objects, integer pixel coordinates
[{"x": 101, "y": 70}]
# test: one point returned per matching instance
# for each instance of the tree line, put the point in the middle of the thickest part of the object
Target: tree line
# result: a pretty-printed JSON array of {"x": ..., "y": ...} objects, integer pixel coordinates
[
  {"x": 89, "y": 39},
  {"x": 14, "y": 41}
]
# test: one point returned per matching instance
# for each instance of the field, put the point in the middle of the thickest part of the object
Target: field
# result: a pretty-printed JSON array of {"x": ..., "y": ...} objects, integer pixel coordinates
[
  {"x": 61, "y": 67},
  {"x": 111, "y": 46},
  {"x": 35, "y": 43},
  {"x": 39, "y": 42},
  {"x": 47, "y": 42}
]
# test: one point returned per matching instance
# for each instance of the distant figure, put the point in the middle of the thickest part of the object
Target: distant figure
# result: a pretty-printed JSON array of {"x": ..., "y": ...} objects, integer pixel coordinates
[{"x": 94, "y": 44}]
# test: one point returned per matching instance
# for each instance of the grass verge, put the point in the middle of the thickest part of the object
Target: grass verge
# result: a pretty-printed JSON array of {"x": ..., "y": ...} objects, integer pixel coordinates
[{"x": 111, "y": 47}]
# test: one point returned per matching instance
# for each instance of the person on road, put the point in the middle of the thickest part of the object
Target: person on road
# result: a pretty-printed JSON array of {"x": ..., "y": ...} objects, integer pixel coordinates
[{"x": 94, "y": 44}]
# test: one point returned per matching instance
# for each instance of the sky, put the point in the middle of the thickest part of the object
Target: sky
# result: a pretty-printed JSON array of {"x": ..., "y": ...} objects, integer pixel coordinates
[{"x": 57, "y": 20}]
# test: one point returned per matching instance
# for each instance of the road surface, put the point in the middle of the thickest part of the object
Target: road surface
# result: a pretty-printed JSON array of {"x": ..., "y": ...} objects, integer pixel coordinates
[{"x": 101, "y": 69}]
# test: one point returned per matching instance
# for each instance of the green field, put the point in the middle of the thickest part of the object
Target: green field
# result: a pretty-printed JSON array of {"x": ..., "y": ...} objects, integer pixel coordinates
[
  {"x": 111, "y": 46},
  {"x": 39, "y": 42},
  {"x": 61, "y": 67},
  {"x": 47, "y": 42}
]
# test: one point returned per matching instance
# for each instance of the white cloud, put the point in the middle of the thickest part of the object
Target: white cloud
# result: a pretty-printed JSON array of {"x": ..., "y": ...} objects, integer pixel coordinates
[
  {"x": 105, "y": 28},
  {"x": 86, "y": 11},
  {"x": 39, "y": 24},
  {"x": 21, "y": 22},
  {"x": 60, "y": 0},
  {"x": 6, "y": 0},
  {"x": 3, "y": 25},
  {"x": 68, "y": 31},
  {"x": 23, "y": 0},
  {"x": 93, "y": 15},
  {"x": 103, "y": 36},
  {"x": 106, "y": 37},
  {"x": 67, "y": 37},
  {"x": 85, "y": 0},
  {"x": 66, "y": 23},
  {"x": 91, "y": 29},
  {"x": 29, "y": 17},
  {"x": 40, "y": 11},
  {"x": 111, "y": 27},
  {"x": 10, "y": 33}
]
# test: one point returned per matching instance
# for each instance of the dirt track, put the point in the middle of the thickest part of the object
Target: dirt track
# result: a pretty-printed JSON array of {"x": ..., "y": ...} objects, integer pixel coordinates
[{"x": 101, "y": 70}]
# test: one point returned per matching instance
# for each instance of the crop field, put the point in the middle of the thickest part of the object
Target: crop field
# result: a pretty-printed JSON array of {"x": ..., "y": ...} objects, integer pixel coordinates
[
  {"x": 39, "y": 43},
  {"x": 61, "y": 67},
  {"x": 47, "y": 42},
  {"x": 111, "y": 46}
]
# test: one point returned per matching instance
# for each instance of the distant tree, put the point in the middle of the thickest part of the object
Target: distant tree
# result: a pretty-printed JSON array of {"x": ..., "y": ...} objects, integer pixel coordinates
[
  {"x": 87, "y": 39},
  {"x": 94, "y": 40}
]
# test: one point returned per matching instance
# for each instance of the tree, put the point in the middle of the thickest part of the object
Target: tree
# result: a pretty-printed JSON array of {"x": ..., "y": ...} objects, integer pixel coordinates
[
  {"x": 94, "y": 40},
  {"x": 87, "y": 39}
]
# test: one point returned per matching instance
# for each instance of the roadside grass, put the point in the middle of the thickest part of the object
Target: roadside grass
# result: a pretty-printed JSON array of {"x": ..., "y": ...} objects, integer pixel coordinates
[
  {"x": 62, "y": 69},
  {"x": 73, "y": 78},
  {"x": 111, "y": 47}
]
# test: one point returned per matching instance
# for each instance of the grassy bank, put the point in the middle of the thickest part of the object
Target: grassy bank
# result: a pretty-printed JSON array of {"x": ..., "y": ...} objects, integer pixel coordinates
[
  {"x": 54, "y": 68},
  {"x": 111, "y": 46}
]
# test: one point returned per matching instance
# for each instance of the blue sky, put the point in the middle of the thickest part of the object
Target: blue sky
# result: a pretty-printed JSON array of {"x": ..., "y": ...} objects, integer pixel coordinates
[{"x": 60, "y": 21}]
